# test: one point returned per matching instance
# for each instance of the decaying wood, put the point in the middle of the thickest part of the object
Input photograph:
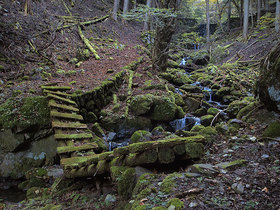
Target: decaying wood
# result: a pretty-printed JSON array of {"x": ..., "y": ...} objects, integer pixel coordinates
[{"x": 88, "y": 43}]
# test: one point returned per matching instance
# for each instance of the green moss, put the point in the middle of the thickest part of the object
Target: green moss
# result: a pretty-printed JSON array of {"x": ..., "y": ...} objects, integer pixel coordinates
[
  {"x": 208, "y": 131},
  {"x": 273, "y": 130},
  {"x": 159, "y": 208},
  {"x": 169, "y": 183},
  {"x": 24, "y": 113},
  {"x": 96, "y": 128},
  {"x": 164, "y": 109},
  {"x": 74, "y": 136},
  {"x": 52, "y": 207},
  {"x": 179, "y": 149},
  {"x": 197, "y": 128},
  {"x": 140, "y": 136},
  {"x": 146, "y": 157},
  {"x": 245, "y": 112},
  {"x": 117, "y": 171},
  {"x": 180, "y": 112},
  {"x": 38, "y": 192},
  {"x": 179, "y": 205},
  {"x": 143, "y": 182},
  {"x": 66, "y": 115},
  {"x": 166, "y": 155},
  {"x": 126, "y": 183},
  {"x": 233, "y": 164},
  {"x": 100, "y": 142},
  {"x": 194, "y": 150},
  {"x": 36, "y": 172},
  {"x": 206, "y": 120},
  {"x": 212, "y": 111},
  {"x": 141, "y": 104}
]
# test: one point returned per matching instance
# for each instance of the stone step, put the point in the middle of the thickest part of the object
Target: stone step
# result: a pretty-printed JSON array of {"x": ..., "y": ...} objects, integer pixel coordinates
[
  {"x": 67, "y": 149},
  {"x": 66, "y": 100},
  {"x": 52, "y": 103},
  {"x": 63, "y": 115},
  {"x": 46, "y": 87},
  {"x": 77, "y": 125},
  {"x": 59, "y": 93},
  {"x": 73, "y": 136},
  {"x": 76, "y": 161}
]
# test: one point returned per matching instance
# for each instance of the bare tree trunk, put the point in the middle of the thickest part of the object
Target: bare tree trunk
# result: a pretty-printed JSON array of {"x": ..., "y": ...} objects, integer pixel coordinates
[
  {"x": 207, "y": 21},
  {"x": 219, "y": 16},
  {"x": 259, "y": 10},
  {"x": 125, "y": 6},
  {"x": 229, "y": 14},
  {"x": 146, "y": 22},
  {"x": 115, "y": 9},
  {"x": 134, "y": 4},
  {"x": 241, "y": 12},
  {"x": 277, "y": 18},
  {"x": 251, "y": 11},
  {"x": 246, "y": 18}
]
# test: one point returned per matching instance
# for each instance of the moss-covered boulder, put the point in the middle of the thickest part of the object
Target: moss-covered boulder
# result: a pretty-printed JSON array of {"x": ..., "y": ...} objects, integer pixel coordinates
[
  {"x": 273, "y": 130},
  {"x": 213, "y": 111},
  {"x": 268, "y": 84},
  {"x": 141, "y": 104},
  {"x": 164, "y": 109},
  {"x": 206, "y": 120},
  {"x": 126, "y": 183},
  {"x": 96, "y": 128},
  {"x": 140, "y": 136},
  {"x": 235, "y": 106},
  {"x": 191, "y": 88},
  {"x": 21, "y": 114}
]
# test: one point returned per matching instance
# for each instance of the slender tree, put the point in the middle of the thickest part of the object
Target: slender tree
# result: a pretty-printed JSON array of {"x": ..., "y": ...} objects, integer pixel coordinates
[
  {"x": 27, "y": 7},
  {"x": 207, "y": 21},
  {"x": 246, "y": 18},
  {"x": 146, "y": 22},
  {"x": 125, "y": 6},
  {"x": 229, "y": 14},
  {"x": 277, "y": 18},
  {"x": 115, "y": 9},
  {"x": 259, "y": 10}
]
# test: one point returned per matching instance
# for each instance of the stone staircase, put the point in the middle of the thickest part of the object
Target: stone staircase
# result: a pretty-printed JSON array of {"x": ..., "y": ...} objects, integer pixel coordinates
[{"x": 71, "y": 134}]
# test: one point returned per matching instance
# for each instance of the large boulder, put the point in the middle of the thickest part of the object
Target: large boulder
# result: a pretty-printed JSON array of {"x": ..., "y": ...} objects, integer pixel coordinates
[
  {"x": 268, "y": 84},
  {"x": 26, "y": 138}
]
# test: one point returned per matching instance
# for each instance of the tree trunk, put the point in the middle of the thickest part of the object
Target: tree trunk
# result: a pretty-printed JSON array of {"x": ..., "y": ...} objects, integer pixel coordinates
[
  {"x": 246, "y": 17},
  {"x": 115, "y": 9},
  {"x": 277, "y": 18},
  {"x": 134, "y": 4},
  {"x": 259, "y": 10},
  {"x": 241, "y": 12},
  {"x": 125, "y": 6},
  {"x": 251, "y": 11},
  {"x": 146, "y": 22},
  {"x": 229, "y": 14},
  {"x": 207, "y": 21},
  {"x": 161, "y": 45},
  {"x": 163, "y": 36}
]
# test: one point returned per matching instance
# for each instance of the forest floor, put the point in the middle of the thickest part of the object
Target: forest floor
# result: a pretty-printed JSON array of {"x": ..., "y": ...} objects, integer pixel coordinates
[{"x": 256, "y": 185}]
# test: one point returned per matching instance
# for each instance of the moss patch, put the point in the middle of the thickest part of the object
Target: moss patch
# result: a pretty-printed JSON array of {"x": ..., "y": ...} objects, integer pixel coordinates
[
  {"x": 25, "y": 113},
  {"x": 273, "y": 130}
]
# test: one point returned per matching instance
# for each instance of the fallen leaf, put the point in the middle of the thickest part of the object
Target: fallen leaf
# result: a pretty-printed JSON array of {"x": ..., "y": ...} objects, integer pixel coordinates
[{"x": 265, "y": 190}]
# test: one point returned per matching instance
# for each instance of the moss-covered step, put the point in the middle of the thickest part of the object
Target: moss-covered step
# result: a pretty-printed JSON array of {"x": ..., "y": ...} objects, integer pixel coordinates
[
  {"x": 67, "y": 149},
  {"x": 46, "y": 87},
  {"x": 76, "y": 125},
  {"x": 143, "y": 146},
  {"x": 59, "y": 93},
  {"x": 53, "y": 104},
  {"x": 76, "y": 161},
  {"x": 66, "y": 115},
  {"x": 73, "y": 136},
  {"x": 65, "y": 100}
]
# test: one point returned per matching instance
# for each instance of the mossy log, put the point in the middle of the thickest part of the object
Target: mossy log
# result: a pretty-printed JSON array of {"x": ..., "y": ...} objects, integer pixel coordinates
[{"x": 88, "y": 43}]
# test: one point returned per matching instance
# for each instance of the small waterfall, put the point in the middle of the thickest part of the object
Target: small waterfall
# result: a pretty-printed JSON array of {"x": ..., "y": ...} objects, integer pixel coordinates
[
  {"x": 197, "y": 120},
  {"x": 178, "y": 124},
  {"x": 178, "y": 91},
  {"x": 183, "y": 62}
]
